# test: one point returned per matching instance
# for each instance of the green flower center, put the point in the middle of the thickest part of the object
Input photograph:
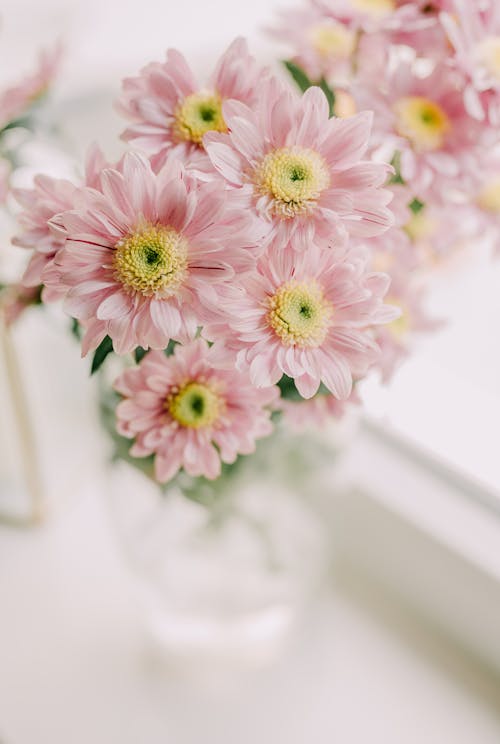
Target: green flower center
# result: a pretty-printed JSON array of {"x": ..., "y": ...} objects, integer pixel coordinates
[
  {"x": 299, "y": 314},
  {"x": 195, "y": 405},
  {"x": 152, "y": 261},
  {"x": 294, "y": 178}
]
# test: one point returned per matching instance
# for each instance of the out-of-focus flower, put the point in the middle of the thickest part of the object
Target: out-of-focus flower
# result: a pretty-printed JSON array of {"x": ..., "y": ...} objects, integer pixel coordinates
[
  {"x": 317, "y": 412},
  {"x": 190, "y": 413},
  {"x": 16, "y": 100},
  {"x": 424, "y": 119},
  {"x": 308, "y": 316},
  {"x": 473, "y": 28},
  {"x": 323, "y": 47},
  {"x": 169, "y": 110},
  {"x": 395, "y": 339},
  {"x": 301, "y": 171},
  {"x": 15, "y": 298},
  {"x": 148, "y": 256}
]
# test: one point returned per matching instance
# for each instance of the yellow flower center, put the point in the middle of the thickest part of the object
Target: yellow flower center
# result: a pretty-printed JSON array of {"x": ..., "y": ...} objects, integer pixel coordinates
[
  {"x": 489, "y": 55},
  {"x": 489, "y": 198},
  {"x": 299, "y": 314},
  {"x": 152, "y": 261},
  {"x": 422, "y": 121},
  {"x": 374, "y": 7},
  {"x": 194, "y": 406},
  {"x": 332, "y": 39},
  {"x": 294, "y": 178},
  {"x": 420, "y": 226},
  {"x": 198, "y": 114}
]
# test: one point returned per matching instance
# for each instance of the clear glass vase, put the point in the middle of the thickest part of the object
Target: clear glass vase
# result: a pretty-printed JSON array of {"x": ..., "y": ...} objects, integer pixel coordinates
[{"x": 225, "y": 569}]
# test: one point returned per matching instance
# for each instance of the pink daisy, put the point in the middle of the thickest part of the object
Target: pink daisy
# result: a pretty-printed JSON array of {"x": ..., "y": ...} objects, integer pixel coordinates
[
  {"x": 395, "y": 339},
  {"x": 307, "y": 315},
  {"x": 299, "y": 170},
  {"x": 150, "y": 256},
  {"x": 473, "y": 28},
  {"x": 190, "y": 413},
  {"x": 317, "y": 412},
  {"x": 322, "y": 46},
  {"x": 15, "y": 101},
  {"x": 41, "y": 232},
  {"x": 169, "y": 110},
  {"x": 424, "y": 119}
]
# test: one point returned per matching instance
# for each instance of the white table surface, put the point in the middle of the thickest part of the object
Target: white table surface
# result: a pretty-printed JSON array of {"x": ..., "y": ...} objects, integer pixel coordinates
[{"x": 76, "y": 665}]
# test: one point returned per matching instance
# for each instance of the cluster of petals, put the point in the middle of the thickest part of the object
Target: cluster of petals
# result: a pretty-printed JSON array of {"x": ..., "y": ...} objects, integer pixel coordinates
[
  {"x": 222, "y": 425},
  {"x": 317, "y": 412},
  {"x": 148, "y": 256},
  {"x": 159, "y": 101},
  {"x": 425, "y": 120},
  {"x": 409, "y": 16},
  {"x": 473, "y": 28},
  {"x": 40, "y": 230},
  {"x": 331, "y": 343},
  {"x": 299, "y": 170},
  {"x": 17, "y": 99}
]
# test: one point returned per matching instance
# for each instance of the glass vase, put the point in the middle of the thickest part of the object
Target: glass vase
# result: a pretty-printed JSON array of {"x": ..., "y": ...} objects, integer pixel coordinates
[{"x": 226, "y": 568}]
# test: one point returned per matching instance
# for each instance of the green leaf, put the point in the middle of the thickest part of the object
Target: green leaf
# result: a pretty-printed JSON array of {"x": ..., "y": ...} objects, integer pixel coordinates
[
  {"x": 298, "y": 75},
  {"x": 102, "y": 351},
  {"x": 416, "y": 206},
  {"x": 75, "y": 329},
  {"x": 330, "y": 95},
  {"x": 396, "y": 164},
  {"x": 139, "y": 354}
]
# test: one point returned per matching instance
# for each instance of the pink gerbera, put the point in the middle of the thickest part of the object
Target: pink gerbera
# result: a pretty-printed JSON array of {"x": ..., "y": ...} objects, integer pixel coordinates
[
  {"x": 15, "y": 101},
  {"x": 300, "y": 170},
  {"x": 190, "y": 413},
  {"x": 149, "y": 255},
  {"x": 169, "y": 109},
  {"x": 41, "y": 232},
  {"x": 474, "y": 30},
  {"x": 424, "y": 119},
  {"x": 307, "y": 315}
]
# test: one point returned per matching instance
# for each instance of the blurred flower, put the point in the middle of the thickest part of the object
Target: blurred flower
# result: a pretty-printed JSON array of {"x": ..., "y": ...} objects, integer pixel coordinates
[
  {"x": 189, "y": 413},
  {"x": 15, "y": 298},
  {"x": 474, "y": 31},
  {"x": 16, "y": 100}
]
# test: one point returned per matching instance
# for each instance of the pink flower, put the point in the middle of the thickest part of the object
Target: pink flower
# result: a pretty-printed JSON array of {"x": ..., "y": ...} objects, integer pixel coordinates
[
  {"x": 425, "y": 120},
  {"x": 317, "y": 412},
  {"x": 42, "y": 203},
  {"x": 41, "y": 232},
  {"x": 190, "y": 413},
  {"x": 169, "y": 110},
  {"x": 322, "y": 46},
  {"x": 15, "y": 101},
  {"x": 299, "y": 170},
  {"x": 307, "y": 315},
  {"x": 473, "y": 28},
  {"x": 385, "y": 15},
  {"x": 149, "y": 256},
  {"x": 15, "y": 298},
  {"x": 395, "y": 339}
]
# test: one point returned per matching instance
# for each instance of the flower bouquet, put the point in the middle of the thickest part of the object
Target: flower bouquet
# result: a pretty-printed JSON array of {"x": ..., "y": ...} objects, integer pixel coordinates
[{"x": 259, "y": 249}]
